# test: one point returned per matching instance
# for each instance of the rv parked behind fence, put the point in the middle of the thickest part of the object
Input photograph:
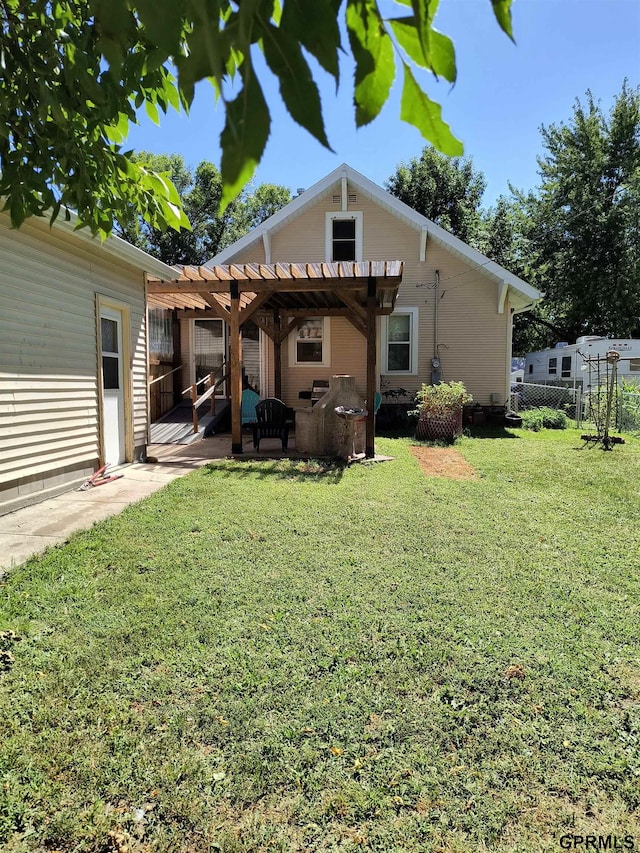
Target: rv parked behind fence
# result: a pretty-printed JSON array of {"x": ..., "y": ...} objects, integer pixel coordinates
[{"x": 583, "y": 364}]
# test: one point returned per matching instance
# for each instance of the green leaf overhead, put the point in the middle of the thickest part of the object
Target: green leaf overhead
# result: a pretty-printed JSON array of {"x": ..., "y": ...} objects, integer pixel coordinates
[
  {"x": 244, "y": 136},
  {"x": 163, "y": 22},
  {"x": 75, "y": 73},
  {"x": 502, "y": 11},
  {"x": 372, "y": 50},
  {"x": 420, "y": 111},
  {"x": 440, "y": 58},
  {"x": 315, "y": 26},
  {"x": 297, "y": 87}
]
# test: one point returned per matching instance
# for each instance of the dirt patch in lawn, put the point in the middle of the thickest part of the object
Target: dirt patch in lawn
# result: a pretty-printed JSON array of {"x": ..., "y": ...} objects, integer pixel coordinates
[{"x": 443, "y": 462}]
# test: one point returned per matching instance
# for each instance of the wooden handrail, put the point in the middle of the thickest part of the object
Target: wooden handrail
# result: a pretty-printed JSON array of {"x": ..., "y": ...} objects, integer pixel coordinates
[
  {"x": 207, "y": 378},
  {"x": 164, "y": 376},
  {"x": 208, "y": 394}
]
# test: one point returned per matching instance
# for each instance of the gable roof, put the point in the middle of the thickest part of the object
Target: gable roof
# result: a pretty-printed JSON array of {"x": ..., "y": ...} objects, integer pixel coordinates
[{"x": 399, "y": 209}]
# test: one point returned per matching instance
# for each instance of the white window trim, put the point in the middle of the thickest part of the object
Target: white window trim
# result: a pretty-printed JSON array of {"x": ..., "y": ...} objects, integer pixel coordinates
[
  {"x": 413, "y": 349},
  {"x": 326, "y": 347},
  {"x": 328, "y": 235}
]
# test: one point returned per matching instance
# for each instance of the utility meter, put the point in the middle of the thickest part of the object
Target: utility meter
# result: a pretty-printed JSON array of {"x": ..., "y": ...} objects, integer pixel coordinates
[{"x": 435, "y": 363}]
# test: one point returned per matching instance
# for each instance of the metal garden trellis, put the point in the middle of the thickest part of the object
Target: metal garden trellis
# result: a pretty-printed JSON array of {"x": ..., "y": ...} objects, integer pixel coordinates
[{"x": 602, "y": 409}]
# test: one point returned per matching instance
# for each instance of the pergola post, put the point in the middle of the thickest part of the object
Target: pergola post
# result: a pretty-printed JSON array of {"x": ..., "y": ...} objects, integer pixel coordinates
[
  {"x": 369, "y": 445},
  {"x": 277, "y": 356},
  {"x": 235, "y": 346}
]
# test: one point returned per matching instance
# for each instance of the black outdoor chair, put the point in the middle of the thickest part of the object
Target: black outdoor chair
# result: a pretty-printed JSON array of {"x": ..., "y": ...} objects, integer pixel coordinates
[{"x": 273, "y": 421}]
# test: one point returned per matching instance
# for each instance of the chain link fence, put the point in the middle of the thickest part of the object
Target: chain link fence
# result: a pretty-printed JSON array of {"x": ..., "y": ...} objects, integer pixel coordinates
[
  {"x": 629, "y": 412},
  {"x": 589, "y": 407},
  {"x": 528, "y": 395},
  {"x": 625, "y": 410}
]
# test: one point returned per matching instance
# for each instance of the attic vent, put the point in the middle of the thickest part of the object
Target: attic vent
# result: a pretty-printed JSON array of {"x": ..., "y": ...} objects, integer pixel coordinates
[
  {"x": 353, "y": 198},
  {"x": 336, "y": 198}
]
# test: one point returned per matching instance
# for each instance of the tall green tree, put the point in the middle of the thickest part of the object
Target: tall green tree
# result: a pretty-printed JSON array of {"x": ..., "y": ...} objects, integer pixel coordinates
[
  {"x": 582, "y": 224},
  {"x": 200, "y": 192},
  {"x": 252, "y": 207},
  {"x": 446, "y": 190},
  {"x": 73, "y": 73}
]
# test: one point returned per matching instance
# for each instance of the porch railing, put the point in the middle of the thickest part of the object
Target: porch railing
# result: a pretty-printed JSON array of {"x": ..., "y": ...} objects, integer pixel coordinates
[
  {"x": 211, "y": 385},
  {"x": 158, "y": 394}
]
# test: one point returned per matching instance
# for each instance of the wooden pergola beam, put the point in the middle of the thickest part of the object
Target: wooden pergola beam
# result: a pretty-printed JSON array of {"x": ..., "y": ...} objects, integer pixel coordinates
[
  {"x": 352, "y": 303},
  {"x": 247, "y": 285},
  {"x": 213, "y": 303},
  {"x": 257, "y": 302}
]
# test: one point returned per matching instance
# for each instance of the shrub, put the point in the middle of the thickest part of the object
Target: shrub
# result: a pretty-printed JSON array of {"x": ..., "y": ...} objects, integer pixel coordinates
[
  {"x": 544, "y": 418},
  {"x": 442, "y": 399}
]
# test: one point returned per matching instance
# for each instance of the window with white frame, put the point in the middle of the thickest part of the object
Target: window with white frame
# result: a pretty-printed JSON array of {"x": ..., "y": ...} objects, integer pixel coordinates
[
  {"x": 566, "y": 367},
  {"x": 553, "y": 366},
  {"x": 400, "y": 342},
  {"x": 343, "y": 237},
  {"x": 309, "y": 344}
]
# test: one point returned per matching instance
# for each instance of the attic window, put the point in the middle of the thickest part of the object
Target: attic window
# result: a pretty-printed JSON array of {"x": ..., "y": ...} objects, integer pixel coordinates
[{"x": 343, "y": 236}]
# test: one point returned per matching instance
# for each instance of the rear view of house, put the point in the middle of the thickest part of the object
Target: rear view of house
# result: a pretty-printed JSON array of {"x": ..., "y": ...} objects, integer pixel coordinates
[
  {"x": 452, "y": 319},
  {"x": 73, "y": 357},
  {"x": 347, "y": 279}
]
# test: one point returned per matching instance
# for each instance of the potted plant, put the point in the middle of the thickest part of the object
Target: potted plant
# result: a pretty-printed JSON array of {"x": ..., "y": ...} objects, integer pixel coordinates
[{"x": 439, "y": 411}]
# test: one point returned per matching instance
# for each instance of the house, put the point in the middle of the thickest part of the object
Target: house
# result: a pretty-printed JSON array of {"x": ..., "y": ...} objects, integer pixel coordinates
[
  {"x": 443, "y": 312},
  {"x": 584, "y": 363},
  {"x": 73, "y": 356}
]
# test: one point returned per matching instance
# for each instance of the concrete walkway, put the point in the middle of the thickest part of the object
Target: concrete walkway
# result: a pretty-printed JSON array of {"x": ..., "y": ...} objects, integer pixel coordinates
[{"x": 30, "y": 530}]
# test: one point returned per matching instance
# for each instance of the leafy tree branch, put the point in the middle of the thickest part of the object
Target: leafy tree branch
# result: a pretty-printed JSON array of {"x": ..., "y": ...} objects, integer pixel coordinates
[{"x": 74, "y": 73}]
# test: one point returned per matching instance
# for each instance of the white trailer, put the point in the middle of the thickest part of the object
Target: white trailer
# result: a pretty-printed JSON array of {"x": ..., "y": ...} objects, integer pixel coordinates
[{"x": 575, "y": 364}]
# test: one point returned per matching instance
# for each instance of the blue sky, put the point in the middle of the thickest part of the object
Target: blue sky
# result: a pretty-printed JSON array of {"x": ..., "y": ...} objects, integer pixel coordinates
[{"x": 503, "y": 94}]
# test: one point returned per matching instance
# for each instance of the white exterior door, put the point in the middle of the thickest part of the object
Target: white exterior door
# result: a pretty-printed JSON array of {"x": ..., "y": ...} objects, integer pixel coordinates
[{"x": 113, "y": 421}]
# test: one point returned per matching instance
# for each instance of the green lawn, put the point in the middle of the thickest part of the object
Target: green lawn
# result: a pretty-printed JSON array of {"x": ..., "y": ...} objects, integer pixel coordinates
[{"x": 272, "y": 656}]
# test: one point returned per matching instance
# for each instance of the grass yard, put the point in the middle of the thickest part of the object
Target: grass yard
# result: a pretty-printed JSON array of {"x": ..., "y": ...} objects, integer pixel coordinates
[{"x": 270, "y": 656}]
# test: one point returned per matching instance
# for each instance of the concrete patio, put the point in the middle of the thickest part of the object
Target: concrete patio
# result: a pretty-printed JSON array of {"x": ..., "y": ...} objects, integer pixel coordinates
[{"x": 31, "y": 530}]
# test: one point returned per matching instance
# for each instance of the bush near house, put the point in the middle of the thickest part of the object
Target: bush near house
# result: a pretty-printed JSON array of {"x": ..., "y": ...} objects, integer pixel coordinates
[{"x": 544, "y": 418}]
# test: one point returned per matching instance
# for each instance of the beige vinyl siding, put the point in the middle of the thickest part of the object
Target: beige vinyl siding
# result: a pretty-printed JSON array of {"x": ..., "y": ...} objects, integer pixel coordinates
[
  {"x": 348, "y": 355},
  {"x": 49, "y": 419},
  {"x": 473, "y": 337}
]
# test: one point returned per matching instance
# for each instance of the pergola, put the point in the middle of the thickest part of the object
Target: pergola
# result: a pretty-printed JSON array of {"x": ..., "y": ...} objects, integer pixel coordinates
[{"x": 276, "y": 296}]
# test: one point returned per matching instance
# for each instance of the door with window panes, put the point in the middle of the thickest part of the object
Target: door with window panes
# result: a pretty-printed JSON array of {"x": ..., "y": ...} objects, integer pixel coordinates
[
  {"x": 113, "y": 414},
  {"x": 209, "y": 346},
  {"x": 210, "y": 352}
]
